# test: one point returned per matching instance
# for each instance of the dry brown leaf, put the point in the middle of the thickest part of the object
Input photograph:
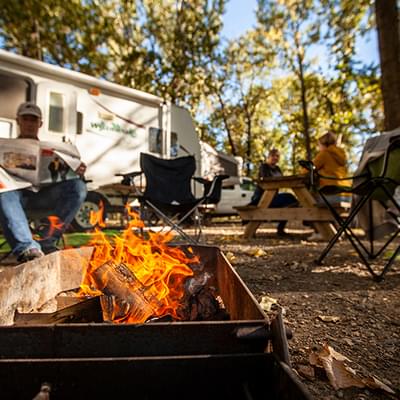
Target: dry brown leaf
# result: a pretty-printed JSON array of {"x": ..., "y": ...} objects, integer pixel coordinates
[
  {"x": 306, "y": 371},
  {"x": 230, "y": 256},
  {"x": 329, "y": 318},
  {"x": 329, "y": 351},
  {"x": 339, "y": 374},
  {"x": 374, "y": 383},
  {"x": 257, "y": 252},
  {"x": 314, "y": 359}
]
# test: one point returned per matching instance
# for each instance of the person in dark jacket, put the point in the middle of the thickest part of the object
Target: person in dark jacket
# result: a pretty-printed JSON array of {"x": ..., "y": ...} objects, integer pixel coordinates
[{"x": 270, "y": 169}]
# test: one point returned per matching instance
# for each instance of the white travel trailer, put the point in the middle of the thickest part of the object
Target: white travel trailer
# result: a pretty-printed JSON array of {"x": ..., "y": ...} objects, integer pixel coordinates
[{"x": 109, "y": 123}]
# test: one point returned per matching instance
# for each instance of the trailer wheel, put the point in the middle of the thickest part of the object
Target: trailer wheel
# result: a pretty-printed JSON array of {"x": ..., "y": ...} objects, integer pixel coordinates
[{"x": 81, "y": 222}]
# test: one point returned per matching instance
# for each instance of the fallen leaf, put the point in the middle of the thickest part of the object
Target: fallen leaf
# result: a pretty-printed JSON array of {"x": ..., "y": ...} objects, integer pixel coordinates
[
  {"x": 306, "y": 371},
  {"x": 267, "y": 302},
  {"x": 230, "y": 256},
  {"x": 328, "y": 318},
  {"x": 257, "y": 252},
  {"x": 374, "y": 383},
  {"x": 314, "y": 359},
  {"x": 339, "y": 374}
]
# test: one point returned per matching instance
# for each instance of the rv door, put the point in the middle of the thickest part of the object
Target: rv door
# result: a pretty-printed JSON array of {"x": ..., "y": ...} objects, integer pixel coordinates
[
  {"x": 58, "y": 103},
  {"x": 166, "y": 129}
]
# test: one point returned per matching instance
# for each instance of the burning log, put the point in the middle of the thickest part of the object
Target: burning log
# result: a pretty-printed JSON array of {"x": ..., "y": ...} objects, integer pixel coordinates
[{"x": 125, "y": 297}]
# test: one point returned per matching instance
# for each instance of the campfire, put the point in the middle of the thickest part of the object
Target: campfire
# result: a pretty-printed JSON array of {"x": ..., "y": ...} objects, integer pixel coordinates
[
  {"x": 141, "y": 277},
  {"x": 155, "y": 315}
]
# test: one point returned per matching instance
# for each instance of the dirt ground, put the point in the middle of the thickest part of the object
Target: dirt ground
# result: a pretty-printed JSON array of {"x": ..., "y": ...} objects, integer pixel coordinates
[{"x": 338, "y": 304}]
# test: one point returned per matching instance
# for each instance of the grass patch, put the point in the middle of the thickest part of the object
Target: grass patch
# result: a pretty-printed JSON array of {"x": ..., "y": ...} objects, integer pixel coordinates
[{"x": 74, "y": 239}]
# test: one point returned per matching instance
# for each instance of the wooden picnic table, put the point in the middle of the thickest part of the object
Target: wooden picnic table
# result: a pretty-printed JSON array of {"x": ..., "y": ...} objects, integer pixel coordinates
[{"x": 307, "y": 210}]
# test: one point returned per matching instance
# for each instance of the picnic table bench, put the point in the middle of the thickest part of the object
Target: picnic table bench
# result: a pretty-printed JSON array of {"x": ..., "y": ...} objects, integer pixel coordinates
[{"x": 308, "y": 209}]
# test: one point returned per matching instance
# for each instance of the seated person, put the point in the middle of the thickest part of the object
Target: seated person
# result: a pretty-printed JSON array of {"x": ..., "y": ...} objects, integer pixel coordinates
[
  {"x": 331, "y": 161},
  {"x": 63, "y": 198},
  {"x": 269, "y": 169}
]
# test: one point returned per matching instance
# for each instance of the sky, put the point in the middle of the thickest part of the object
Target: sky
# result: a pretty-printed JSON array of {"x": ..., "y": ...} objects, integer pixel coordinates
[{"x": 240, "y": 16}]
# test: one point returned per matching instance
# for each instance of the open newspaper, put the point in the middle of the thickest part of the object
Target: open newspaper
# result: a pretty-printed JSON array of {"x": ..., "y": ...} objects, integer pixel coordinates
[{"x": 32, "y": 163}]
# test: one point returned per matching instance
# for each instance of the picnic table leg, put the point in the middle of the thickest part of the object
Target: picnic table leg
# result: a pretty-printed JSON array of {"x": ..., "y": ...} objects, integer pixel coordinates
[
  {"x": 265, "y": 201},
  {"x": 251, "y": 228},
  {"x": 306, "y": 199}
]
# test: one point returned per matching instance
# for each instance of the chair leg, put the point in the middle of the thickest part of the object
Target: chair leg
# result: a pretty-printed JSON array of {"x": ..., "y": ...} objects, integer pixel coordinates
[
  {"x": 344, "y": 227},
  {"x": 388, "y": 264},
  {"x": 364, "y": 254},
  {"x": 173, "y": 225}
]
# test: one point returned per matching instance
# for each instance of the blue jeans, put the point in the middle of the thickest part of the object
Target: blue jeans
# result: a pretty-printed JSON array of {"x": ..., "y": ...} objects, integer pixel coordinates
[{"x": 62, "y": 200}]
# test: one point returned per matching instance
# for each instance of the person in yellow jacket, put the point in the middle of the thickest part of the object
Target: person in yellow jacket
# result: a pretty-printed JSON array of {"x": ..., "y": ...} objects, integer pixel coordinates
[{"x": 331, "y": 161}]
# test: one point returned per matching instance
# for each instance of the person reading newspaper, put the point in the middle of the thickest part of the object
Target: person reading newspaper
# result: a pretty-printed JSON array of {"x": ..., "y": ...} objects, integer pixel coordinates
[{"x": 29, "y": 180}]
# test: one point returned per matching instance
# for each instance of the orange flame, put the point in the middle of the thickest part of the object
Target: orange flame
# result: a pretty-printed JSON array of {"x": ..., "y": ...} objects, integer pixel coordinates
[
  {"x": 55, "y": 224},
  {"x": 158, "y": 271},
  {"x": 47, "y": 229},
  {"x": 96, "y": 217}
]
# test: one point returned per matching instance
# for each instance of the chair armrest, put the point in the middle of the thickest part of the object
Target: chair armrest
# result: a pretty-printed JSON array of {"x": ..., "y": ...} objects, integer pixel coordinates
[
  {"x": 130, "y": 174},
  {"x": 201, "y": 180},
  {"x": 128, "y": 178}
]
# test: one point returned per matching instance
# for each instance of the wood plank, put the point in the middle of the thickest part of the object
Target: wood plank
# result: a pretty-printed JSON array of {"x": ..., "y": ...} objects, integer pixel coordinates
[
  {"x": 281, "y": 182},
  {"x": 251, "y": 228},
  {"x": 29, "y": 286},
  {"x": 306, "y": 199},
  {"x": 86, "y": 310},
  {"x": 287, "y": 213}
]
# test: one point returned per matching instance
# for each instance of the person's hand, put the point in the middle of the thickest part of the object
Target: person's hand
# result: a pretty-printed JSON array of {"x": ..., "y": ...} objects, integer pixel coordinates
[{"x": 81, "y": 170}]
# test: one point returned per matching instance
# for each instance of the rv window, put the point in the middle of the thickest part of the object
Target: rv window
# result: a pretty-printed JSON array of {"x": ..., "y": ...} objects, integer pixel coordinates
[
  {"x": 155, "y": 145},
  {"x": 155, "y": 140},
  {"x": 174, "y": 145},
  {"x": 5, "y": 129},
  {"x": 79, "y": 123},
  {"x": 56, "y": 112}
]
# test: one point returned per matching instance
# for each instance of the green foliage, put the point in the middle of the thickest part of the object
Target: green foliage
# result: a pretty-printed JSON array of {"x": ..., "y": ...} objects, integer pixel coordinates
[{"x": 281, "y": 84}]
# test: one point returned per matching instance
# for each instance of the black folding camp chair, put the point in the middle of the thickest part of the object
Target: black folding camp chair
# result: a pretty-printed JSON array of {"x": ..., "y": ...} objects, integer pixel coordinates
[
  {"x": 169, "y": 194},
  {"x": 373, "y": 187}
]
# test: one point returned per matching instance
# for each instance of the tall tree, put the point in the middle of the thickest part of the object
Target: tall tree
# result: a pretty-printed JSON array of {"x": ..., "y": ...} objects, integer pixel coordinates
[
  {"x": 290, "y": 26},
  {"x": 70, "y": 34},
  {"x": 184, "y": 36},
  {"x": 387, "y": 21}
]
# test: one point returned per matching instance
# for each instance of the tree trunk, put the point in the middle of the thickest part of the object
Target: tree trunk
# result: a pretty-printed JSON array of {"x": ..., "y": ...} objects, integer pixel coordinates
[
  {"x": 389, "y": 51},
  {"x": 304, "y": 105},
  {"x": 226, "y": 123}
]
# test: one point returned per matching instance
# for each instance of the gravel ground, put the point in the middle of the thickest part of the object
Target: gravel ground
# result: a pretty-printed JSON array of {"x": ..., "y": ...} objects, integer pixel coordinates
[{"x": 338, "y": 304}]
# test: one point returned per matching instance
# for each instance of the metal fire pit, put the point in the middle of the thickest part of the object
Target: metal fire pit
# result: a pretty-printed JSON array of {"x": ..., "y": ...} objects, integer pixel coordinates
[{"x": 195, "y": 360}]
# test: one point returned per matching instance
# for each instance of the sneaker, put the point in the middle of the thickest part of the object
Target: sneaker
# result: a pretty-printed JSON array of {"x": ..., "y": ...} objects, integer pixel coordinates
[{"x": 29, "y": 254}]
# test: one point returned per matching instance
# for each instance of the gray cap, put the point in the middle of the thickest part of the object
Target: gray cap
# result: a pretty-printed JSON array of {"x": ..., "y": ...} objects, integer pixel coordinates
[{"x": 29, "y": 108}]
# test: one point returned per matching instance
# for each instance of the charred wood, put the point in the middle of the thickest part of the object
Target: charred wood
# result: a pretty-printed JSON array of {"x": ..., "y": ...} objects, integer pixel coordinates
[{"x": 203, "y": 305}]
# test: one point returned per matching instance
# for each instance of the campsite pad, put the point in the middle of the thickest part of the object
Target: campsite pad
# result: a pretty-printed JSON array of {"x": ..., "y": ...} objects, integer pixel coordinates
[{"x": 337, "y": 303}]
